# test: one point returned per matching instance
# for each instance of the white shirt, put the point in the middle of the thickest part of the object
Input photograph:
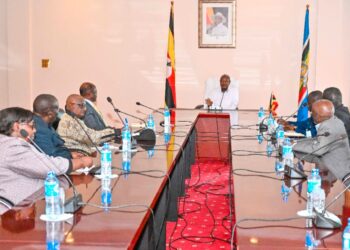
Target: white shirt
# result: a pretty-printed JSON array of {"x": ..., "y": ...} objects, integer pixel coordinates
[
  {"x": 219, "y": 30},
  {"x": 224, "y": 100}
]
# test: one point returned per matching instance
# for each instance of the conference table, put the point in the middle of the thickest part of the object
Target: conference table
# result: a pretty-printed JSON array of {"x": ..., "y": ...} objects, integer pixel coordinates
[{"x": 144, "y": 199}]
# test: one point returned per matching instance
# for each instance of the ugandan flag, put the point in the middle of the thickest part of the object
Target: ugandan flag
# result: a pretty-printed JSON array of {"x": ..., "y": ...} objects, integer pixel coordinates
[
  {"x": 304, "y": 73},
  {"x": 170, "y": 92},
  {"x": 273, "y": 104}
]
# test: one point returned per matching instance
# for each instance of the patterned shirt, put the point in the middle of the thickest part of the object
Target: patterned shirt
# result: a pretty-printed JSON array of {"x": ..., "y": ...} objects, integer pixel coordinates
[{"x": 72, "y": 132}]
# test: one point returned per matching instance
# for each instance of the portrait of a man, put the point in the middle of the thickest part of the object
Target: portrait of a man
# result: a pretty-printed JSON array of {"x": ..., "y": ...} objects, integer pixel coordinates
[{"x": 217, "y": 22}]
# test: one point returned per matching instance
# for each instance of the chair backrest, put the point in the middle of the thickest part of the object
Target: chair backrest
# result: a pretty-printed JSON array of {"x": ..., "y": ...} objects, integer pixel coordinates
[
  {"x": 6, "y": 202},
  {"x": 214, "y": 82}
]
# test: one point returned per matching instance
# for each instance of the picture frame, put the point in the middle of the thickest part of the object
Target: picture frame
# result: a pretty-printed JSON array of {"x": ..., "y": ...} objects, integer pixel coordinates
[{"x": 217, "y": 24}]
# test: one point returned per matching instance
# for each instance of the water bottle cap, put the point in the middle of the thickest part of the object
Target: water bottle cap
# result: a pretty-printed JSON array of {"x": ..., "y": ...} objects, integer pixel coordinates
[
  {"x": 315, "y": 171},
  {"x": 287, "y": 140},
  {"x": 348, "y": 220},
  {"x": 50, "y": 173}
]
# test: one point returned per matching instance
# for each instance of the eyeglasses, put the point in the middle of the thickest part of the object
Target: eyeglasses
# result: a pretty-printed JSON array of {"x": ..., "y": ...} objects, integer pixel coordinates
[
  {"x": 31, "y": 124},
  {"x": 80, "y": 105}
]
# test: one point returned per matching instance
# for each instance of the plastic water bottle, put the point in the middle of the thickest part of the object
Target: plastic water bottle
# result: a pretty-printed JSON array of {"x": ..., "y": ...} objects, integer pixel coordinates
[
  {"x": 261, "y": 115},
  {"x": 280, "y": 135},
  {"x": 308, "y": 133},
  {"x": 167, "y": 130},
  {"x": 309, "y": 240},
  {"x": 54, "y": 234},
  {"x": 150, "y": 123},
  {"x": 150, "y": 152},
  {"x": 166, "y": 121},
  {"x": 269, "y": 148},
  {"x": 279, "y": 166},
  {"x": 106, "y": 195},
  {"x": 287, "y": 153},
  {"x": 346, "y": 237},
  {"x": 318, "y": 198},
  {"x": 126, "y": 138},
  {"x": 271, "y": 124},
  {"x": 312, "y": 181},
  {"x": 285, "y": 191},
  {"x": 106, "y": 161},
  {"x": 53, "y": 207}
]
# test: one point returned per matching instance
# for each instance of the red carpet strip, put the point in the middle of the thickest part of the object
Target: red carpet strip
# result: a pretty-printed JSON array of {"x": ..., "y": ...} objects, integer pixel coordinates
[{"x": 204, "y": 220}]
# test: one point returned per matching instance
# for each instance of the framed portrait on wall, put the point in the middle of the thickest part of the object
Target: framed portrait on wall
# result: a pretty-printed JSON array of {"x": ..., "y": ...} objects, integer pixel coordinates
[{"x": 217, "y": 24}]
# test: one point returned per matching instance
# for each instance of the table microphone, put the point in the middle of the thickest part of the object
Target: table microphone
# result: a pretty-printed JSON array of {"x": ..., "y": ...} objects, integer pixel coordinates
[
  {"x": 72, "y": 204},
  {"x": 143, "y": 105},
  {"x": 138, "y": 118},
  {"x": 115, "y": 110},
  {"x": 327, "y": 219}
]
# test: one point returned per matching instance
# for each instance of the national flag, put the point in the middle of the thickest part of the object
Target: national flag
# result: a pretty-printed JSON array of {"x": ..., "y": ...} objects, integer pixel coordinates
[
  {"x": 304, "y": 74},
  {"x": 273, "y": 104},
  {"x": 170, "y": 93}
]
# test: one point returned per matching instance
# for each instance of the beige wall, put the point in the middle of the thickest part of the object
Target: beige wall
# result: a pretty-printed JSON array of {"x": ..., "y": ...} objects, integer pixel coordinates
[
  {"x": 120, "y": 45},
  {"x": 3, "y": 54}
]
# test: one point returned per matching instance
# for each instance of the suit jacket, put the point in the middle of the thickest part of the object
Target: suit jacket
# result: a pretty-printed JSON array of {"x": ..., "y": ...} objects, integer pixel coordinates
[
  {"x": 93, "y": 119},
  {"x": 343, "y": 114},
  {"x": 332, "y": 151},
  {"x": 48, "y": 140}
]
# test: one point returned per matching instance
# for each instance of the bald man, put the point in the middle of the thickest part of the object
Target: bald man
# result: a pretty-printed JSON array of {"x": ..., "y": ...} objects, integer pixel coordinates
[
  {"x": 71, "y": 128},
  {"x": 332, "y": 151}
]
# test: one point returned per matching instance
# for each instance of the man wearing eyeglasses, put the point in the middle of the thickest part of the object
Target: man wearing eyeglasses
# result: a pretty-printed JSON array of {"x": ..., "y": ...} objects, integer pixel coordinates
[
  {"x": 23, "y": 168},
  {"x": 77, "y": 136}
]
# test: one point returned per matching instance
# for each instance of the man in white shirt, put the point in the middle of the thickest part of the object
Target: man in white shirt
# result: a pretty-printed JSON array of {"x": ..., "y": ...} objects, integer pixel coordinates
[
  {"x": 218, "y": 28},
  {"x": 223, "y": 97}
]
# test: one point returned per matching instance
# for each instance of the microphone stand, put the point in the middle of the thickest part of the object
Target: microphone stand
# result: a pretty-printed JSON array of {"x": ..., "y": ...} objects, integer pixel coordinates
[
  {"x": 327, "y": 219},
  {"x": 115, "y": 110},
  {"x": 119, "y": 111},
  {"x": 143, "y": 105}
]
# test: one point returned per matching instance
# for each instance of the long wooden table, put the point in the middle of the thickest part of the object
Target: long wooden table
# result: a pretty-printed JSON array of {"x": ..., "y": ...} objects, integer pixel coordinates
[{"x": 135, "y": 227}]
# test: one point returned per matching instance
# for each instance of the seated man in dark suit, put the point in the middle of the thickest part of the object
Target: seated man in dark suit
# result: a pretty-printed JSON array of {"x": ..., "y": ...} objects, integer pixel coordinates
[
  {"x": 93, "y": 117},
  {"x": 333, "y": 150},
  {"x": 45, "y": 108},
  {"x": 334, "y": 95}
]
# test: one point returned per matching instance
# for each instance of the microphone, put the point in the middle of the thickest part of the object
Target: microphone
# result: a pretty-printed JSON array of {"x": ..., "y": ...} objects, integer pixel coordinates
[
  {"x": 328, "y": 220},
  {"x": 115, "y": 110},
  {"x": 138, "y": 118},
  {"x": 293, "y": 114},
  {"x": 143, "y": 105},
  {"x": 72, "y": 204}
]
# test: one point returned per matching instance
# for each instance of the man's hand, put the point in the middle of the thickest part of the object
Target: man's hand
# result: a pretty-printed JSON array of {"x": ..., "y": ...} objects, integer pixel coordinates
[
  {"x": 76, "y": 155},
  {"x": 208, "y": 102}
]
